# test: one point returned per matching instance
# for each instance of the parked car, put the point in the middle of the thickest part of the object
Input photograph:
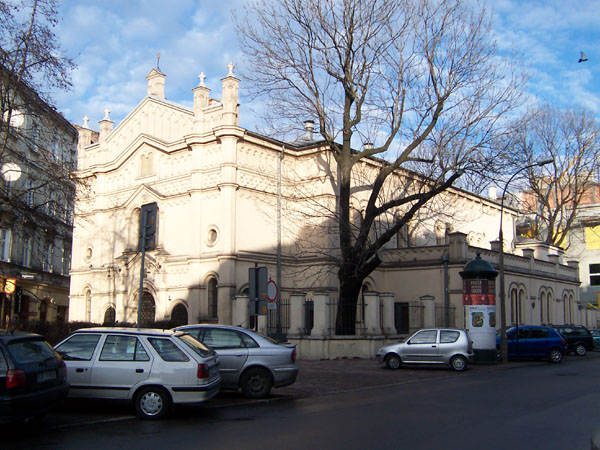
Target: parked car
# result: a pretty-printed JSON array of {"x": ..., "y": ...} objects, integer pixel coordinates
[
  {"x": 532, "y": 341},
  {"x": 33, "y": 377},
  {"x": 248, "y": 360},
  {"x": 579, "y": 339},
  {"x": 430, "y": 346},
  {"x": 596, "y": 337},
  {"x": 152, "y": 368}
]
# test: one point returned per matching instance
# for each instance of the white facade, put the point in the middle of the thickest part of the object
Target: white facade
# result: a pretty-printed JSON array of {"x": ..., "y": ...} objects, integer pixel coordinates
[{"x": 227, "y": 199}]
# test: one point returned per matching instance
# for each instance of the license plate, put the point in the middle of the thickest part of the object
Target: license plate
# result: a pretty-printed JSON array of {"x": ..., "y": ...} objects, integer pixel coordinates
[{"x": 46, "y": 376}]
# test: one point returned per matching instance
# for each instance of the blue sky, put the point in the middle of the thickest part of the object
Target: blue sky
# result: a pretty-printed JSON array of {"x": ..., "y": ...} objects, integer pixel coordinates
[{"x": 115, "y": 42}]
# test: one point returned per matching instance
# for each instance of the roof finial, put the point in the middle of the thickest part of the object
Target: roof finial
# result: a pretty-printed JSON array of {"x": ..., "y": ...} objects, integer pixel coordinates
[
  {"x": 106, "y": 113},
  {"x": 202, "y": 77},
  {"x": 158, "y": 61},
  {"x": 230, "y": 66},
  {"x": 85, "y": 121}
]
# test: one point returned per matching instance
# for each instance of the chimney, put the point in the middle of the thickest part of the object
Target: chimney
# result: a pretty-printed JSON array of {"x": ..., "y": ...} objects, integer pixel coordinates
[
  {"x": 156, "y": 84},
  {"x": 309, "y": 126}
]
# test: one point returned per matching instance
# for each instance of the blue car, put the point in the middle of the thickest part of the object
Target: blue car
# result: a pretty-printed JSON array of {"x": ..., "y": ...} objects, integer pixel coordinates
[{"x": 531, "y": 341}]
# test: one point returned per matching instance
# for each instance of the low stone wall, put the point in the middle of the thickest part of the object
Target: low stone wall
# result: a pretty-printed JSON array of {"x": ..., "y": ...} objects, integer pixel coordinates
[{"x": 339, "y": 347}]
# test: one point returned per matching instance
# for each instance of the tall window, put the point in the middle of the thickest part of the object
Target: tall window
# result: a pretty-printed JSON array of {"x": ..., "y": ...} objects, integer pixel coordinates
[
  {"x": 66, "y": 261},
  {"x": 29, "y": 193},
  {"x": 4, "y": 244},
  {"x": 595, "y": 274},
  {"x": 26, "y": 257},
  {"x": 549, "y": 308},
  {"x": 47, "y": 261},
  {"x": 212, "y": 298},
  {"x": 88, "y": 305},
  {"x": 542, "y": 307},
  {"x": 146, "y": 165}
]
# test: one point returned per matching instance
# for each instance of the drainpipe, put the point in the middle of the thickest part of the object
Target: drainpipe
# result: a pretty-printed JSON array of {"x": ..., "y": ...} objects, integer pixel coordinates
[
  {"x": 445, "y": 260},
  {"x": 279, "y": 159}
]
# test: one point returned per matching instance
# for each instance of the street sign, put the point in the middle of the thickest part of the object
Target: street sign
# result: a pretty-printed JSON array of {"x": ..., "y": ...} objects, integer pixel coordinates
[
  {"x": 272, "y": 291},
  {"x": 272, "y": 294}
]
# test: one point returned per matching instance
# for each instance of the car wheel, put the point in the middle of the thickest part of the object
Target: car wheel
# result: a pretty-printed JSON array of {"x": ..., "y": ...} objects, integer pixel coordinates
[
  {"x": 580, "y": 350},
  {"x": 256, "y": 383},
  {"x": 152, "y": 403},
  {"x": 458, "y": 363},
  {"x": 393, "y": 362},
  {"x": 555, "y": 356}
]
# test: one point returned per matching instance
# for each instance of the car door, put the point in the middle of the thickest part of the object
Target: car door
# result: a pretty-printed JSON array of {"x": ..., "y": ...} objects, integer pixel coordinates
[
  {"x": 422, "y": 347},
  {"x": 232, "y": 352},
  {"x": 122, "y": 364},
  {"x": 78, "y": 353}
]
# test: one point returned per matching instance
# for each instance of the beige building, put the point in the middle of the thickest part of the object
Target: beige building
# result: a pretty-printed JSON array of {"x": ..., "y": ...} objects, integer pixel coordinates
[
  {"x": 229, "y": 199},
  {"x": 37, "y": 155}
]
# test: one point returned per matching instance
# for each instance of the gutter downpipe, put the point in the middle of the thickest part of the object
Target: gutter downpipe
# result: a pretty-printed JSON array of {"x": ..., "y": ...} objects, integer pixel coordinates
[
  {"x": 279, "y": 159},
  {"x": 445, "y": 259}
]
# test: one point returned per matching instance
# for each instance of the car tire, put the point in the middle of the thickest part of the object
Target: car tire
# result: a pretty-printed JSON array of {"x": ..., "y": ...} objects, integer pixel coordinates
[
  {"x": 555, "y": 356},
  {"x": 458, "y": 363},
  {"x": 393, "y": 362},
  {"x": 580, "y": 349},
  {"x": 152, "y": 403},
  {"x": 256, "y": 383}
]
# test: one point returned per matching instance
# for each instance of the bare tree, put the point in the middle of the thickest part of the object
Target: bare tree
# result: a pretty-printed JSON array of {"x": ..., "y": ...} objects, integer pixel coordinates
[
  {"x": 37, "y": 144},
  {"x": 554, "y": 199},
  {"x": 421, "y": 80}
]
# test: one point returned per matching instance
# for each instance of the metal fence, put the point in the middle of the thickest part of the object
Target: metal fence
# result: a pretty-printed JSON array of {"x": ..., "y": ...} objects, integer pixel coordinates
[{"x": 278, "y": 320}]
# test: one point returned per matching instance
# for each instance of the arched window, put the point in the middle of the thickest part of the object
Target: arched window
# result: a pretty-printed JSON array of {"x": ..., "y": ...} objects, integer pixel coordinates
[
  {"x": 88, "y": 305},
  {"x": 213, "y": 298},
  {"x": 542, "y": 307},
  {"x": 549, "y": 309},
  {"x": 513, "y": 306},
  {"x": 109, "y": 316}
]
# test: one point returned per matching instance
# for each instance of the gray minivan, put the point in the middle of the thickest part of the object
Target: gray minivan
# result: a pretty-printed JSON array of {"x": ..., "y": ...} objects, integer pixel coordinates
[{"x": 448, "y": 346}]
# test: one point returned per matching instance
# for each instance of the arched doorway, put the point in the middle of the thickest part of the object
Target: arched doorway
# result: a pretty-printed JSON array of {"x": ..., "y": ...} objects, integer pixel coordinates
[
  {"x": 148, "y": 309},
  {"x": 179, "y": 315}
]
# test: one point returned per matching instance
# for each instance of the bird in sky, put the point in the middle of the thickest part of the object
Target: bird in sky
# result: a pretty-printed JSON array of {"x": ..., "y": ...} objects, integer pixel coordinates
[{"x": 583, "y": 58}]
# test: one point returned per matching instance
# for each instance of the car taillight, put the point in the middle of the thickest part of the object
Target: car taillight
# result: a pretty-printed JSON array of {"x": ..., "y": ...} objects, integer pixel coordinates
[
  {"x": 563, "y": 342},
  {"x": 203, "y": 371},
  {"x": 294, "y": 356},
  {"x": 15, "y": 378}
]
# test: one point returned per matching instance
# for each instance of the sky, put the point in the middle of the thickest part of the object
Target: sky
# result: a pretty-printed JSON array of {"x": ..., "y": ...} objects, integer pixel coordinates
[{"x": 115, "y": 43}]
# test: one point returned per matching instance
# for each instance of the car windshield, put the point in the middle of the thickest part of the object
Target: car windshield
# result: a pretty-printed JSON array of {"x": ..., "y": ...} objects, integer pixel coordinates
[
  {"x": 31, "y": 351},
  {"x": 196, "y": 345}
]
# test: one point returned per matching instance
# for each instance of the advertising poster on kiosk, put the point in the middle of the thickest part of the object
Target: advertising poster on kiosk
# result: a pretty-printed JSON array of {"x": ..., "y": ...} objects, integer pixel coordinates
[{"x": 479, "y": 301}]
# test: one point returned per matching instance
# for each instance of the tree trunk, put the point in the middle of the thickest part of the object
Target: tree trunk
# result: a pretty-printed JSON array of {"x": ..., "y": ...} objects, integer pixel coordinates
[{"x": 345, "y": 323}]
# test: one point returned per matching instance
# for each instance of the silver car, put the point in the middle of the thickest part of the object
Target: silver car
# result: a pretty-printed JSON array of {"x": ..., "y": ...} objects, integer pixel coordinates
[
  {"x": 430, "y": 346},
  {"x": 248, "y": 360},
  {"x": 152, "y": 368}
]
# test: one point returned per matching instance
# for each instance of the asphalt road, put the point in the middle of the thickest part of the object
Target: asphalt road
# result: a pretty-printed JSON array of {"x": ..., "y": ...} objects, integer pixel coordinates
[{"x": 521, "y": 406}]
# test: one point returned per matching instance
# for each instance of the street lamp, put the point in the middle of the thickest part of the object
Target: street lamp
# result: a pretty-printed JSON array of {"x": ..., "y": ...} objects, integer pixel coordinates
[{"x": 503, "y": 343}]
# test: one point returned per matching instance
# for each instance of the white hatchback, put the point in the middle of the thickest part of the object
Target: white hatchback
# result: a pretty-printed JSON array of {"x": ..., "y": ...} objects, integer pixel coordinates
[{"x": 152, "y": 368}]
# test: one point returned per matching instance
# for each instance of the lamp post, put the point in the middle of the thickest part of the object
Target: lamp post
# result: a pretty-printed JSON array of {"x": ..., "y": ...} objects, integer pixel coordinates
[{"x": 503, "y": 342}]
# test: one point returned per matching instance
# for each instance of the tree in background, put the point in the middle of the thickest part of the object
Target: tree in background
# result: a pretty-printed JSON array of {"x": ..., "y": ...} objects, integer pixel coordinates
[
  {"x": 37, "y": 145},
  {"x": 420, "y": 80},
  {"x": 555, "y": 198}
]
